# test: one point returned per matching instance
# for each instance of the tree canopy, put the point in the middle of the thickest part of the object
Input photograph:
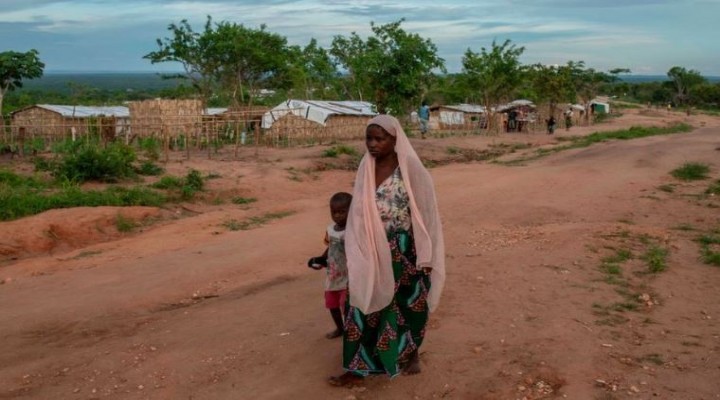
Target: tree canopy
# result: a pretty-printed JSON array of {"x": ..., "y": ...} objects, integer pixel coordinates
[{"x": 15, "y": 67}]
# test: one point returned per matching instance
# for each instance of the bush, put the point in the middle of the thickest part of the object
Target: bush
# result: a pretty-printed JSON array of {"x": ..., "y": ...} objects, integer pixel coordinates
[
  {"x": 89, "y": 162},
  {"x": 150, "y": 168},
  {"x": 691, "y": 171}
]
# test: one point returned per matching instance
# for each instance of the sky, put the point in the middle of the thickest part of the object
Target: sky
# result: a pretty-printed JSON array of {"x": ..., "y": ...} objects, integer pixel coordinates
[{"x": 646, "y": 36}]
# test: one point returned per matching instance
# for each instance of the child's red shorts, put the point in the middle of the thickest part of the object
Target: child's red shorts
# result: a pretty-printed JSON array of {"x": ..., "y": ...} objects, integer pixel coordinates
[{"x": 335, "y": 298}]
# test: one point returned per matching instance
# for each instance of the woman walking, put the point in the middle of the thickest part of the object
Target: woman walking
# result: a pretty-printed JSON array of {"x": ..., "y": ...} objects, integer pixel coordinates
[{"x": 395, "y": 257}]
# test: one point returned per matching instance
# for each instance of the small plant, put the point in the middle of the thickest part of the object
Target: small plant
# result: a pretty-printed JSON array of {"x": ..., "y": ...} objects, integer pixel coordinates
[
  {"x": 149, "y": 168},
  {"x": 691, "y": 171},
  {"x": 88, "y": 161},
  {"x": 710, "y": 248},
  {"x": 243, "y": 200},
  {"x": 150, "y": 147},
  {"x": 453, "y": 150},
  {"x": 656, "y": 258},
  {"x": 684, "y": 227},
  {"x": 714, "y": 188},
  {"x": 124, "y": 224},
  {"x": 668, "y": 188},
  {"x": 168, "y": 182},
  {"x": 255, "y": 222},
  {"x": 337, "y": 150}
]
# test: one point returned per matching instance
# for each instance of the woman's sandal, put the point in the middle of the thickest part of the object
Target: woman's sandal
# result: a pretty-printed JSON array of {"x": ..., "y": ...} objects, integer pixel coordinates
[{"x": 347, "y": 379}]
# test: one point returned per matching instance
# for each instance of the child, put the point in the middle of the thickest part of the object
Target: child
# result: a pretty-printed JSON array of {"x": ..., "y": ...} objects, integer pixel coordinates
[{"x": 334, "y": 260}]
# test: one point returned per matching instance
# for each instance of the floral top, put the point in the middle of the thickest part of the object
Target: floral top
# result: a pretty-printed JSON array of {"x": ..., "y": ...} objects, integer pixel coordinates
[
  {"x": 393, "y": 203},
  {"x": 337, "y": 273}
]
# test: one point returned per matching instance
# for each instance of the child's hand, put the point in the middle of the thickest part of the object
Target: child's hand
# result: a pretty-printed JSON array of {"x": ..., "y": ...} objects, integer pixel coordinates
[{"x": 317, "y": 263}]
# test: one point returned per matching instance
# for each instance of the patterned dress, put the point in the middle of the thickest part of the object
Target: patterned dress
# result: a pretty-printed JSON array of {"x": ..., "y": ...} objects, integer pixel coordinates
[{"x": 381, "y": 342}]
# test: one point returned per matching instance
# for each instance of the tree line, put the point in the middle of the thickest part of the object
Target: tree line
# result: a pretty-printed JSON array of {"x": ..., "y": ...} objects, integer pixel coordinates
[{"x": 226, "y": 64}]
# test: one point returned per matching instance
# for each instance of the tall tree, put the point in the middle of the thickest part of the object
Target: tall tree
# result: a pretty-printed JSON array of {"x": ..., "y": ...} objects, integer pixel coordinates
[
  {"x": 496, "y": 73},
  {"x": 554, "y": 84},
  {"x": 395, "y": 65},
  {"x": 314, "y": 71},
  {"x": 684, "y": 81},
  {"x": 14, "y": 67},
  {"x": 191, "y": 50}
]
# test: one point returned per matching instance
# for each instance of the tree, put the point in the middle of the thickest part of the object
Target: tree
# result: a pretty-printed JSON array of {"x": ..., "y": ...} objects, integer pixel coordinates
[
  {"x": 684, "y": 82},
  {"x": 554, "y": 84},
  {"x": 14, "y": 67},
  {"x": 396, "y": 66},
  {"x": 192, "y": 51},
  {"x": 247, "y": 57},
  {"x": 496, "y": 73},
  {"x": 314, "y": 71}
]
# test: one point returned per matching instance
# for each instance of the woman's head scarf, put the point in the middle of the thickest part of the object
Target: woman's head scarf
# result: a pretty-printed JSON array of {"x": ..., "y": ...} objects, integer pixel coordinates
[{"x": 371, "y": 280}]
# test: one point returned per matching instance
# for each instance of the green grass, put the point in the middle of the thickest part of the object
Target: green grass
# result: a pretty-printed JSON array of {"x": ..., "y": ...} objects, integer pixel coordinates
[
  {"x": 149, "y": 168},
  {"x": 668, "y": 188},
  {"x": 168, "y": 182},
  {"x": 691, "y": 171},
  {"x": 656, "y": 258},
  {"x": 634, "y": 132},
  {"x": 714, "y": 188},
  {"x": 124, "y": 224},
  {"x": 255, "y": 222},
  {"x": 337, "y": 150},
  {"x": 21, "y": 196},
  {"x": 243, "y": 200},
  {"x": 684, "y": 227},
  {"x": 708, "y": 244}
]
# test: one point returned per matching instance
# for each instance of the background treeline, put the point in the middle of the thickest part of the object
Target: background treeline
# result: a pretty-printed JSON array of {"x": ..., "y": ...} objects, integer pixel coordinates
[{"x": 227, "y": 64}]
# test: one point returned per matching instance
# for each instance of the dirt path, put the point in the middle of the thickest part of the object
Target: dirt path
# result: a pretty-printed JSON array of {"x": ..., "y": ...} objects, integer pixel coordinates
[{"x": 188, "y": 309}]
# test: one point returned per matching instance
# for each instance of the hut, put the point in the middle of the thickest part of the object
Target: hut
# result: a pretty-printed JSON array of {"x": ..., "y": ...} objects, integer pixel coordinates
[
  {"x": 315, "y": 121},
  {"x": 164, "y": 117},
  {"x": 600, "y": 105},
  {"x": 517, "y": 115},
  {"x": 458, "y": 116},
  {"x": 58, "y": 121}
]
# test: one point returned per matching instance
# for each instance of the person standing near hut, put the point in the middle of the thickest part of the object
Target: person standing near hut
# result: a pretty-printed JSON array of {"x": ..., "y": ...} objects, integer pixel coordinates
[
  {"x": 395, "y": 257},
  {"x": 568, "y": 118},
  {"x": 424, "y": 116}
]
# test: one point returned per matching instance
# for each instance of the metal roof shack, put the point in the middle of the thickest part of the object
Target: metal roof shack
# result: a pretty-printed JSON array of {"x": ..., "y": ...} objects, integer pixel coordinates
[
  {"x": 69, "y": 120},
  {"x": 313, "y": 121}
]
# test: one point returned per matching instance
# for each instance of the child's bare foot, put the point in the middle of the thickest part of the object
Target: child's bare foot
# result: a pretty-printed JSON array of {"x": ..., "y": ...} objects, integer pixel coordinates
[
  {"x": 413, "y": 365},
  {"x": 334, "y": 334},
  {"x": 347, "y": 379}
]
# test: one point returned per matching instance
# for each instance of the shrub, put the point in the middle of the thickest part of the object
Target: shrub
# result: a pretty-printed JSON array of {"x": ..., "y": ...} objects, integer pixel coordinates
[
  {"x": 691, "y": 171},
  {"x": 150, "y": 168},
  {"x": 89, "y": 162}
]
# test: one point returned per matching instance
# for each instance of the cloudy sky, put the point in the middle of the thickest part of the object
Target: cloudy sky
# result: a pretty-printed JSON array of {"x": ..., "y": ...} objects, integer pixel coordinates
[{"x": 647, "y": 36}]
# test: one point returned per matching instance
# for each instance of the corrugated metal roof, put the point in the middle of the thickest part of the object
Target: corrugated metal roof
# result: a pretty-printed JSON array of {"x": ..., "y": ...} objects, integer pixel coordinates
[
  {"x": 215, "y": 110},
  {"x": 86, "y": 111},
  {"x": 467, "y": 108},
  {"x": 316, "y": 110}
]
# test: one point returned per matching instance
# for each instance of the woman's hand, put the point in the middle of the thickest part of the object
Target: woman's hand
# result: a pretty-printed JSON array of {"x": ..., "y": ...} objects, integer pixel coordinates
[{"x": 427, "y": 270}]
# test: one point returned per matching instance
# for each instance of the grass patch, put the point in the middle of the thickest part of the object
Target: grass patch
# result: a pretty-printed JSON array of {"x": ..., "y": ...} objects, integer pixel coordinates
[
  {"x": 691, "y": 171},
  {"x": 255, "y": 222},
  {"x": 714, "y": 188},
  {"x": 243, "y": 200},
  {"x": 338, "y": 150},
  {"x": 652, "y": 358},
  {"x": 24, "y": 200},
  {"x": 634, "y": 132},
  {"x": 708, "y": 244},
  {"x": 684, "y": 227},
  {"x": 185, "y": 187},
  {"x": 656, "y": 258},
  {"x": 124, "y": 224},
  {"x": 149, "y": 168},
  {"x": 668, "y": 188}
]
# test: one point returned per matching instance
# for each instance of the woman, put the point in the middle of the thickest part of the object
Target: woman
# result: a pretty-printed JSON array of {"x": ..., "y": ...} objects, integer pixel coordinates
[{"x": 395, "y": 257}]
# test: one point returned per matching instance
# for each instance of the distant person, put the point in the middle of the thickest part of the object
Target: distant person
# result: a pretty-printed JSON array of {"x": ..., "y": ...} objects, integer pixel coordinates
[
  {"x": 550, "y": 125},
  {"x": 424, "y": 116},
  {"x": 568, "y": 119},
  {"x": 512, "y": 120},
  {"x": 335, "y": 262}
]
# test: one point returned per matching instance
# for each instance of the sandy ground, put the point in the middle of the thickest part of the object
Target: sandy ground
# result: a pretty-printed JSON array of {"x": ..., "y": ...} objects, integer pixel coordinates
[{"x": 186, "y": 308}]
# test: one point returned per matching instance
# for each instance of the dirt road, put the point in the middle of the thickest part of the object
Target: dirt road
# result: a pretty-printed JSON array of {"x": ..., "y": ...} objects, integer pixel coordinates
[{"x": 548, "y": 292}]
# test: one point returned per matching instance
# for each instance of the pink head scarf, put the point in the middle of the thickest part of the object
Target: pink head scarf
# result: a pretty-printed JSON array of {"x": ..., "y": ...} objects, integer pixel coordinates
[{"x": 371, "y": 281}]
